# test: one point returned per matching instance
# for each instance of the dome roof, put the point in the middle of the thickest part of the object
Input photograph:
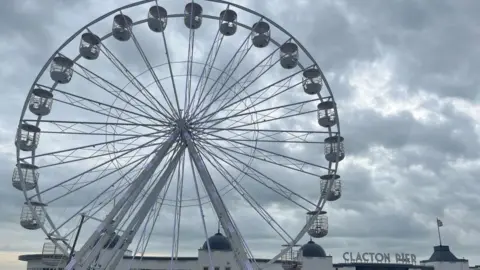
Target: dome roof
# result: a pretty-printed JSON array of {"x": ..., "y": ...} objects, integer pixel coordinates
[
  {"x": 311, "y": 249},
  {"x": 218, "y": 242},
  {"x": 442, "y": 254}
]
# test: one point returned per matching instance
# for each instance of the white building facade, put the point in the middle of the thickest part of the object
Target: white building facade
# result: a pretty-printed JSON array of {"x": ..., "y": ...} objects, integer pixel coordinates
[{"x": 311, "y": 257}]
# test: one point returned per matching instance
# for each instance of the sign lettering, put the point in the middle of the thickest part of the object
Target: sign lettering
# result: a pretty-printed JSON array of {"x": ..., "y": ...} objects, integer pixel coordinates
[{"x": 372, "y": 257}]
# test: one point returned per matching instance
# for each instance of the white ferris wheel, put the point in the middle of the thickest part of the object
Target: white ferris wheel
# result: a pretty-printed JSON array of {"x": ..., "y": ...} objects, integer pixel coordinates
[{"x": 132, "y": 131}]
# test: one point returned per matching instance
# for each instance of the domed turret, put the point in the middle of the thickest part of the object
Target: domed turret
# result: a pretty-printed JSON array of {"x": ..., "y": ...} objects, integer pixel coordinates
[
  {"x": 218, "y": 242},
  {"x": 312, "y": 250},
  {"x": 442, "y": 254}
]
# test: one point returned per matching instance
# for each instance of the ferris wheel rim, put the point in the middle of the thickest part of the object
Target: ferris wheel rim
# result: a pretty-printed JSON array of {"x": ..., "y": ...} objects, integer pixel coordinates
[{"x": 321, "y": 201}]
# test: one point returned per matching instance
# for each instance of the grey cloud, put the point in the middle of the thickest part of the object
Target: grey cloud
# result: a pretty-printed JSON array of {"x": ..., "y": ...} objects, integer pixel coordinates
[
  {"x": 400, "y": 130},
  {"x": 416, "y": 33},
  {"x": 391, "y": 201}
]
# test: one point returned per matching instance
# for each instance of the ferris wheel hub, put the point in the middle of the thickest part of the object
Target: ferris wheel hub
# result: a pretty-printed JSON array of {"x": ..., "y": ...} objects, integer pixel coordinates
[
  {"x": 182, "y": 124},
  {"x": 184, "y": 128}
]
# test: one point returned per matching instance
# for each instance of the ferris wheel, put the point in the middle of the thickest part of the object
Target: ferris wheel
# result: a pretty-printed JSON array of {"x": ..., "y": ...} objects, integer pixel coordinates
[{"x": 132, "y": 131}]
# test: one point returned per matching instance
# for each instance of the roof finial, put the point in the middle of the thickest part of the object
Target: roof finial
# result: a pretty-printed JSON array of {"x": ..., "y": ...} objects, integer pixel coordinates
[{"x": 218, "y": 227}]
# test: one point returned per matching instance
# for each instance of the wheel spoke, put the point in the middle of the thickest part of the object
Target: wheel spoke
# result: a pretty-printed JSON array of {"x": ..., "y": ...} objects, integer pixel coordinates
[
  {"x": 207, "y": 68},
  {"x": 225, "y": 75},
  {"x": 120, "y": 93},
  {"x": 264, "y": 214},
  {"x": 124, "y": 186},
  {"x": 190, "y": 51},
  {"x": 298, "y": 110},
  {"x": 71, "y": 158},
  {"x": 99, "y": 128},
  {"x": 100, "y": 177},
  {"x": 90, "y": 169},
  {"x": 263, "y": 66},
  {"x": 63, "y": 154},
  {"x": 177, "y": 102},
  {"x": 98, "y": 107},
  {"x": 264, "y": 113},
  {"x": 172, "y": 112},
  {"x": 260, "y": 177},
  {"x": 281, "y": 89},
  {"x": 135, "y": 82},
  {"x": 272, "y": 157},
  {"x": 265, "y": 135}
]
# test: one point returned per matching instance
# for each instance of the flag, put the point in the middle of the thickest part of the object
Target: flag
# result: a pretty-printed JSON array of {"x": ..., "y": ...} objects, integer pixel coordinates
[{"x": 439, "y": 223}]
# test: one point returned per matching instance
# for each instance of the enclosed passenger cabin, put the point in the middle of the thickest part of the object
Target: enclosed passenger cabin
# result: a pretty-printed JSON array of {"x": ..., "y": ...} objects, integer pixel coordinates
[
  {"x": 61, "y": 69},
  {"x": 89, "y": 46},
  {"x": 334, "y": 149},
  {"x": 228, "y": 22},
  {"x": 193, "y": 15},
  {"x": 122, "y": 27},
  {"x": 326, "y": 114},
  {"x": 291, "y": 259},
  {"x": 32, "y": 219},
  {"x": 52, "y": 255},
  {"x": 27, "y": 137},
  {"x": 260, "y": 34},
  {"x": 40, "y": 102},
  {"x": 312, "y": 81},
  {"x": 26, "y": 173},
  {"x": 319, "y": 227},
  {"x": 157, "y": 19},
  {"x": 335, "y": 191},
  {"x": 289, "y": 55}
]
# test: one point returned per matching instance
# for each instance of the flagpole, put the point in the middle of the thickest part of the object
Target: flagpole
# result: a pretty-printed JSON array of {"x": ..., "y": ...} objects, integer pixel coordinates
[{"x": 438, "y": 229}]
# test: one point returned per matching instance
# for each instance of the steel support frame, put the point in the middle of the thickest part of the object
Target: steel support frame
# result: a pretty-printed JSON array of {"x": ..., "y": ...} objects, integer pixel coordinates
[
  {"x": 239, "y": 250},
  {"x": 85, "y": 257},
  {"x": 94, "y": 245},
  {"x": 142, "y": 213}
]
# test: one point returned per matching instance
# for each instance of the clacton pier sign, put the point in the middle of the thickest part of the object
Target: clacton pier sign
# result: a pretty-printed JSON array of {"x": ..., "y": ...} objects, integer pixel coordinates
[{"x": 379, "y": 257}]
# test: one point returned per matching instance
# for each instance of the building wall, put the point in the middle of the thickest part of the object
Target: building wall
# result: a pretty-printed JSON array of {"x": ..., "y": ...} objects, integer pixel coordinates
[
  {"x": 41, "y": 265},
  {"x": 449, "y": 265},
  {"x": 221, "y": 261},
  {"x": 225, "y": 261},
  {"x": 128, "y": 264},
  {"x": 325, "y": 263}
]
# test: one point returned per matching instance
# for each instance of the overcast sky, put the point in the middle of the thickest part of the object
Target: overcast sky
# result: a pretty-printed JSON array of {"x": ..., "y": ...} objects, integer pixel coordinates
[{"x": 405, "y": 78}]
